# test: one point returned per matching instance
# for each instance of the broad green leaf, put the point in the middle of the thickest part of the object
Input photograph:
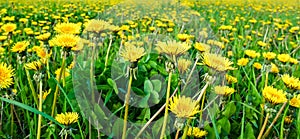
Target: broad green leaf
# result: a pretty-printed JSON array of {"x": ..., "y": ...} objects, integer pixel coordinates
[
  {"x": 230, "y": 109},
  {"x": 148, "y": 87},
  {"x": 155, "y": 97},
  {"x": 118, "y": 128},
  {"x": 156, "y": 85},
  {"x": 249, "y": 133}
]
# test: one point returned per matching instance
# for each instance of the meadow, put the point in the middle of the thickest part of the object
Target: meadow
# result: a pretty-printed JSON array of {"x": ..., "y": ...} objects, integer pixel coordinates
[{"x": 214, "y": 69}]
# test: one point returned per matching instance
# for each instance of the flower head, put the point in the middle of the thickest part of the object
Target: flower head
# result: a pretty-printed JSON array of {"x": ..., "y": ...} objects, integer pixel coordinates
[
  {"x": 9, "y": 27},
  {"x": 6, "y": 75},
  {"x": 183, "y": 65},
  {"x": 269, "y": 55},
  {"x": 257, "y": 65},
  {"x": 252, "y": 53},
  {"x": 131, "y": 52},
  {"x": 64, "y": 40},
  {"x": 35, "y": 65},
  {"x": 243, "y": 61},
  {"x": 99, "y": 26},
  {"x": 274, "y": 68},
  {"x": 183, "y": 107},
  {"x": 217, "y": 62},
  {"x": 202, "y": 47},
  {"x": 196, "y": 132},
  {"x": 65, "y": 74},
  {"x": 20, "y": 46},
  {"x": 284, "y": 57},
  {"x": 224, "y": 90},
  {"x": 230, "y": 79},
  {"x": 67, "y": 118},
  {"x": 68, "y": 28},
  {"x": 172, "y": 48},
  {"x": 295, "y": 101},
  {"x": 291, "y": 82},
  {"x": 274, "y": 95}
]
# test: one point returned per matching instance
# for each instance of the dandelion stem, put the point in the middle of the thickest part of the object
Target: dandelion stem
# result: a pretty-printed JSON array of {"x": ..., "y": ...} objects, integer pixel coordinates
[
  {"x": 264, "y": 126},
  {"x": 12, "y": 120},
  {"x": 186, "y": 129},
  {"x": 127, "y": 97},
  {"x": 109, "y": 46},
  {"x": 57, "y": 86},
  {"x": 31, "y": 87},
  {"x": 275, "y": 119},
  {"x": 40, "y": 109},
  {"x": 162, "y": 135},
  {"x": 154, "y": 116},
  {"x": 177, "y": 134}
]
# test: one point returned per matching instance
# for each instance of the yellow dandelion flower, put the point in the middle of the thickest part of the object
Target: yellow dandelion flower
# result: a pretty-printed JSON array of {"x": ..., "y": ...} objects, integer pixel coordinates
[
  {"x": 9, "y": 27},
  {"x": 283, "y": 57},
  {"x": 295, "y": 101},
  {"x": 243, "y": 61},
  {"x": 217, "y": 62},
  {"x": 230, "y": 79},
  {"x": 184, "y": 37},
  {"x": 196, "y": 132},
  {"x": 3, "y": 38},
  {"x": 64, "y": 40},
  {"x": 252, "y": 53},
  {"x": 262, "y": 44},
  {"x": 67, "y": 118},
  {"x": 257, "y": 65},
  {"x": 288, "y": 119},
  {"x": 274, "y": 95},
  {"x": 68, "y": 28},
  {"x": 172, "y": 48},
  {"x": 43, "y": 37},
  {"x": 65, "y": 74},
  {"x": 20, "y": 46},
  {"x": 35, "y": 65},
  {"x": 290, "y": 81},
  {"x": 6, "y": 75},
  {"x": 223, "y": 90},
  {"x": 46, "y": 93},
  {"x": 183, "y": 107},
  {"x": 216, "y": 43},
  {"x": 131, "y": 52},
  {"x": 202, "y": 47},
  {"x": 229, "y": 53},
  {"x": 274, "y": 68},
  {"x": 183, "y": 65},
  {"x": 99, "y": 26},
  {"x": 293, "y": 61},
  {"x": 269, "y": 55}
]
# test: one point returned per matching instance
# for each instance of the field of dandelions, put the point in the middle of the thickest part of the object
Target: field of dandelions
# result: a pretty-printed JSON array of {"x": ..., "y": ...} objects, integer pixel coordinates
[{"x": 150, "y": 69}]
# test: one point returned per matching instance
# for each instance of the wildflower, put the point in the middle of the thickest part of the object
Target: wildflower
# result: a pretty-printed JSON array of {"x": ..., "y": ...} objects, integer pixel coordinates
[
  {"x": 66, "y": 73},
  {"x": 183, "y": 107},
  {"x": 217, "y": 62},
  {"x": 35, "y": 65},
  {"x": 229, "y": 53},
  {"x": 43, "y": 37},
  {"x": 293, "y": 61},
  {"x": 6, "y": 75},
  {"x": 196, "y": 132},
  {"x": 273, "y": 95},
  {"x": 68, "y": 28},
  {"x": 216, "y": 43},
  {"x": 269, "y": 55},
  {"x": 99, "y": 26},
  {"x": 257, "y": 65},
  {"x": 283, "y": 57},
  {"x": 46, "y": 93},
  {"x": 184, "y": 37},
  {"x": 64, "y": 40},
  {"x": 202, "y": 47},
  {"x": 20, "y": 46},
  {"x": 2, "y": 38},
  {"x": 290, "y": 81},
  {"x": 183, "y": 65},
  {"x": 295, "y": 101},
  {"x": 224, "y": 90},
  {"x": 252, "y": 53},
  {"x": 172, "y": 48},
  {"x": 288, "y": 119},
  {"x": 230, "y": 79},
  {"x": 67, "y": 118},
  {"x": 243, "y": 61},
  {"x": 131, "y": 52},
  {"x": 274, "y": 68},
  {"x": 262, "y": 44},
  {"x": 9, "y": 27}
]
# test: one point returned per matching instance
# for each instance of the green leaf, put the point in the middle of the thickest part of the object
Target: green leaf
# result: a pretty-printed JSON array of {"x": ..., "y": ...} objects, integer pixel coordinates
[
  {"x": 157, "y": 85},
  {"x": 249, "y": 133},
  {"x": 113, "y": 84},
  {"x": 144, "y": 101},
  {"x": 24, "y": 106},
  {"x": 118, "y": 128},
  {"x": 155, "y": 97},
  {"x": 225, "y": 124},
  {"x": 230, "y": 109},
  {"x": 138, "y": 91},
  {"x": 148, "y": 87}
]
